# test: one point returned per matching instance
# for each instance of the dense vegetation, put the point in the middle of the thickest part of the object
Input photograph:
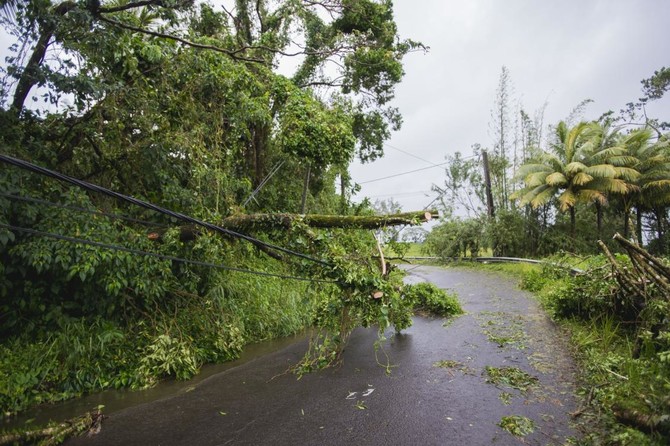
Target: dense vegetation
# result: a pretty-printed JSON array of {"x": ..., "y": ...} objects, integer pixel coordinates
[
  {"x": 182, "y": 106},
  {"x": 623, "y": 349},
  {"x": 561, "y": 188},
  {"x": 590, "y": 189}
]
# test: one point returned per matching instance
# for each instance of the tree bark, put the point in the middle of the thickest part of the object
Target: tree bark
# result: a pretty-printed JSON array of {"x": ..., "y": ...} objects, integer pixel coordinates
[
  {"x": 638, "y": 222},
  {"x": 599, "y": 219},
  {"x": 28, "y": 77},
  {"x": 50, "y": 435},
  {"x": 305, "y": 188},
  {"x": 487, "y": 182},
  {"x": 660, "y": 233}
]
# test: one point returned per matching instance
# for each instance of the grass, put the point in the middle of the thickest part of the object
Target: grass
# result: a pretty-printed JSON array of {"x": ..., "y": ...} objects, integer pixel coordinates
[{"x": 414, "y": 250}]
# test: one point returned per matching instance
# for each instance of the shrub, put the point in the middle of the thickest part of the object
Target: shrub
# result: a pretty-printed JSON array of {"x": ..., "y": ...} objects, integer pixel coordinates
[{"x": 428, "y": 297}]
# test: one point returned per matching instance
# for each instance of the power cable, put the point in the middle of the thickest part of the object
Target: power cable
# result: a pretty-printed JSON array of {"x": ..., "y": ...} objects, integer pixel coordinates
[
  {"x": 158, "y": 256},
  {"x": 262, "y": 184},
  {"x": 402, "y": 194},
  {"x": 80, "y": 209},
  {"x": 404, "y": 173},
  {"x": 409, "y": 154},
  {"x": 179, "y": 216}
]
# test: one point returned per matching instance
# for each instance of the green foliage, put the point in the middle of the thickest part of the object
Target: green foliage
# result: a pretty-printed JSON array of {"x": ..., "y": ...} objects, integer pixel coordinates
[
  {"x": 622, "y": 349},
  {"x": 656, "y": 86},
  {"x": 432, "y": 299},
  {"x": 507, "y": 234},
  {"x": 312, "y": 132},
  {"x": 580, "y": 185},
  {"x": 195, "y": 131},
  {"x": 455, "y": 238},
  {"x": 517, "y": 425},
  {"x": 510, "y": 377}
]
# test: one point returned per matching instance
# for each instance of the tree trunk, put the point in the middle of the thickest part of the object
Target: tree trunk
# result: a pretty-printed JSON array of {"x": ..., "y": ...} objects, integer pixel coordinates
[
  {"x": 305, "y": 189},
  {"x": 28, "y": 77},
  {"x": 638, "y": 222},
  {"x": 57, "y": 433},
  {"x": 487, "y": 183},
  {"x": 245, "y": 222},
  {"x": 344, "y": 180},
  {"x": 573, "y": 222},
  {"x": 660, "y": 233},
  {"x": 626, "y": 222},
  {"x": 599, "y": 220}
]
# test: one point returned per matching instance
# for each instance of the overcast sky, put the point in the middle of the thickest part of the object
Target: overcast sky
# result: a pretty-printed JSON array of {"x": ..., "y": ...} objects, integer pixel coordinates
[{"x": 557, "y": 51}]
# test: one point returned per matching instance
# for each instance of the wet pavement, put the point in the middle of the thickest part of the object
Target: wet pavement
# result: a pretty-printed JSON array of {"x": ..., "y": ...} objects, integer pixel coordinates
[{"x": 421, "y": 402}]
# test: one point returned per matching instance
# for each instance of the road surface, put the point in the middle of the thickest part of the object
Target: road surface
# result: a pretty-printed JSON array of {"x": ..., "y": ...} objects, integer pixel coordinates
[{"x": 438, "y": 392}]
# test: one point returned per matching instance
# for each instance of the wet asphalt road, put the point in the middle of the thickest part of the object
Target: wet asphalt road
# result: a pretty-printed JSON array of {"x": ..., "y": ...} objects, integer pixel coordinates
[{"x": 358, "y": 403}]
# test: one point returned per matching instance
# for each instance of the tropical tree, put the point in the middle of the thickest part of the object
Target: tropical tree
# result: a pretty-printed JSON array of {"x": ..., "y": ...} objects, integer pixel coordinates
[
  {"x": 568, "y": 173},
  {"x": 654, "y": 184}
]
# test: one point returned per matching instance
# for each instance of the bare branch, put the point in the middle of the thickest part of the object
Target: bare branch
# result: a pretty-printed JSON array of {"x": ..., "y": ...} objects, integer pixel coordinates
[
  {"x": 260, "y": 17},
  {"x": 320, "y": 84},
  {"x": 131, "y": 5},
  {"x": 233, "y": 54}
]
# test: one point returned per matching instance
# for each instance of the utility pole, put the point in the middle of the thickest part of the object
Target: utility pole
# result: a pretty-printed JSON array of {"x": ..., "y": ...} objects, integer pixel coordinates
[{"x": 487, "y": 181}]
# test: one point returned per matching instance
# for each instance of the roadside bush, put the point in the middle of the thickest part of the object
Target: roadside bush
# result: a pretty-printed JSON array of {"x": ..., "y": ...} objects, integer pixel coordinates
[
  {"x": 432, "y": 299},
  {"x": 623, "y": 350}
]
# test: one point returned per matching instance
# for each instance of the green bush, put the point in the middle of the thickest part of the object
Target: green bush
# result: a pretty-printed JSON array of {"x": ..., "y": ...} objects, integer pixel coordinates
[
  {"x": 428, "y": 297},
  {"x": 622, "y": 350},
  {"x": 533, "y": 280}
]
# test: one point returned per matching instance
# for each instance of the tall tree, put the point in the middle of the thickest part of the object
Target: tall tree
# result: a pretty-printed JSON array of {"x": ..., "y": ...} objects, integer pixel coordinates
[
  {"x": 571, "y": 173},
  {"x": 502, "y": 137}
]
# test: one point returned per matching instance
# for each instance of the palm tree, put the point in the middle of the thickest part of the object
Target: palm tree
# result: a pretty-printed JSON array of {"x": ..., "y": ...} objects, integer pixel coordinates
[
  {"x": 608, "y": 154},
  {"x": 654, "y": 183},
  {"x": 571, "y": 173}
]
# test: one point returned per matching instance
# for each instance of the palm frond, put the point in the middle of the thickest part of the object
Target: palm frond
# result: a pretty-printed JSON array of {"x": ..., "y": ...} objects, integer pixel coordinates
[
  {"x": 581, "y": 179},
  {"x": 655, "y": 175},
  {"x": 621, "y": 187},
  {"x": 623, "y": 160},
  {"x": 567, "y": 200},
  {"x": 628, "y": 174},
  {"x": 637, "y": 140},
  {"x": 556, "y": 179},
  {"x": 528, "y": 169},
  {"x": 536, "y": 179},
  {"x": 601, "y": 171},
  {"x": 658, "y": 184},
  {"x": 592, "y": 196},
  {"x": 575, "y": 167},
  {"x": 542, "y": 195}
]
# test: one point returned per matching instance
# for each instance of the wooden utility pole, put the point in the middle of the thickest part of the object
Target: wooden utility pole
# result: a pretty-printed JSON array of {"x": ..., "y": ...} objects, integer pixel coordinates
[{"x": 487, "y": 181}]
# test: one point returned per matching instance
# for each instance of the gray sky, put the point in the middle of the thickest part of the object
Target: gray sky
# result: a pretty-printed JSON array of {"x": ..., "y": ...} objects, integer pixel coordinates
[{"x": 561, "y": 52}]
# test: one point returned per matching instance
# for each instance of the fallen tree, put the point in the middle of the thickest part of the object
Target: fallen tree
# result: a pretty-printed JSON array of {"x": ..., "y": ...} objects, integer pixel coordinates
[
  {"x": 259, "y": 222},
  {"x": 56, "y": 433}
]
